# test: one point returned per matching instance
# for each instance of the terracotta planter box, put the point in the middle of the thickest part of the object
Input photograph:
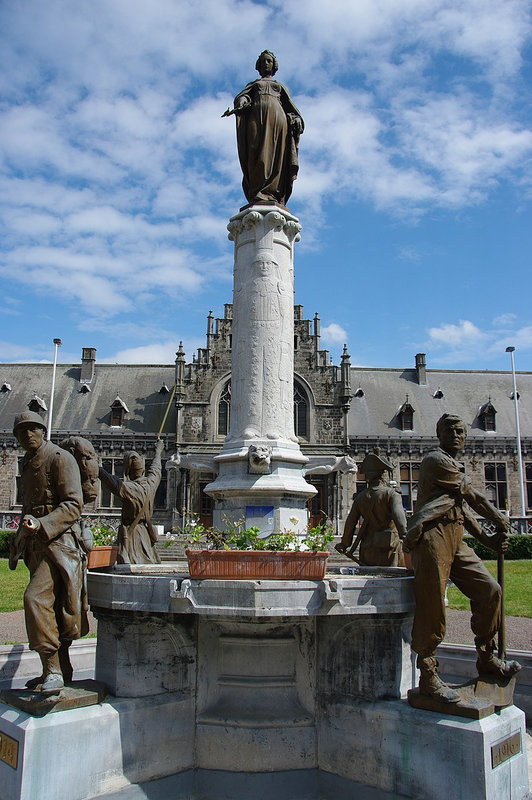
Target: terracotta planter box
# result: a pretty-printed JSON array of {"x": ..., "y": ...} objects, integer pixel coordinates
[
  {"x": 277, "y": 565},
  {"x": 102, "y": 556}
]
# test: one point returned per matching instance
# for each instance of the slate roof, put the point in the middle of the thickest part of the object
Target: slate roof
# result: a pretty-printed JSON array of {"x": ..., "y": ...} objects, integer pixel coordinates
[
  {"x": 464, "y": 393},
  {"x": 372, "y": 415},
  {"x": 76, "y": 409}
]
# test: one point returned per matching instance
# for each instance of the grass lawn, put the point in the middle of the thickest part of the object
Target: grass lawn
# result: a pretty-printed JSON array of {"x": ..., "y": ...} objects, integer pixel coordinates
[
  {"x": 517, "y": 589},
  {"x": 12, "y": 585}
]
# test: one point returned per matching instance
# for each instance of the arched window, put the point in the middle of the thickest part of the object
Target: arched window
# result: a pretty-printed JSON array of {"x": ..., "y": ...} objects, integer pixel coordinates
[
  {"x": 224, "y": 410},
  {"x": 300, "y": 413}
]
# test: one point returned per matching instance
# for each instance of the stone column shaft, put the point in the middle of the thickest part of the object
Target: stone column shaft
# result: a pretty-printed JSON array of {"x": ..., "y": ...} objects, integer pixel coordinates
[{"x": 261, "y": 463}]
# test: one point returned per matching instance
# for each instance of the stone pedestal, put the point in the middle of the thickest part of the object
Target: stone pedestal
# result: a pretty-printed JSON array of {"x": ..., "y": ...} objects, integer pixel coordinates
[
  {"x": 260, "y": 477},
  {"x": 275, "y": 685}
]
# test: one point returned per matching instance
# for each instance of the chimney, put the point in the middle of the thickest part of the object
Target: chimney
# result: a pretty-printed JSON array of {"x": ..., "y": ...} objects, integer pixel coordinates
[
  {"x": 88, "y": 360},
  {"x": 421, "y": 369}
]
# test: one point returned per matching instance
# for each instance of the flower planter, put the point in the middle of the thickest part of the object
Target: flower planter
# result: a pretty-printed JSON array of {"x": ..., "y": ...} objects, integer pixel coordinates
[
  {"x": 277, "y": 565},
  {"x": 102, "y": 556}
]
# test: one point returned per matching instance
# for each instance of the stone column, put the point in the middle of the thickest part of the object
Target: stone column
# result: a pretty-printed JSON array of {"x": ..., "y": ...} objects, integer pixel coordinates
[{"x": 260, "y": 475}]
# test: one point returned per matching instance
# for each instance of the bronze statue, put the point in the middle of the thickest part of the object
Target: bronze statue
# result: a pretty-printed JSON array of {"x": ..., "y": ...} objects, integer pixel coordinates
[
  {"x": 136, "y": 535},
  {"x": 384, "y": 520},
  {"x": 268, "y": 127},
  {"x": 435, "y": 549},
  {"x": 50, "y": 540}
]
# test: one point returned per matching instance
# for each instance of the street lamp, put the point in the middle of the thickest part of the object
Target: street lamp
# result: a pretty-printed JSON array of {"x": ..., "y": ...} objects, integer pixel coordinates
[
  {"x": 518, "y": 435},
  {"x": 57, "y": 344}
]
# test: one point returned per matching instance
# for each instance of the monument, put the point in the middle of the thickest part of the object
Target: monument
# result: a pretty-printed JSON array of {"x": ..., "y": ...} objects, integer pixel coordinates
[
  {"x": 240, "y": 688},
  {"x": 270, "y": 490}
]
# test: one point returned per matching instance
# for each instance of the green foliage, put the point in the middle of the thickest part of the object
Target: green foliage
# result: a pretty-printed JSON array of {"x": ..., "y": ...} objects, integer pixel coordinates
[
  {"x": 319, "y": 537},
  {"x": 517, "y": 589},
  {"x": 102, "y": 532},
  {"x": 519, "y": 547},
  {"x": 235, "y": 536},
  {"x": 5, "y": 538}
]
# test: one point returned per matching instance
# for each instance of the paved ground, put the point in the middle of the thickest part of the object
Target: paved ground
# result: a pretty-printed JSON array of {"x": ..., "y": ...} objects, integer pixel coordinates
[{"x": 13, "y": 629}]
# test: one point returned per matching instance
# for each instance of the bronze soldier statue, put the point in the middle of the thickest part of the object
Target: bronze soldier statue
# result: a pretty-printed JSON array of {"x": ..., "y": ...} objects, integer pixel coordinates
[
  {"x": 50, "y": 540},
  {"x": 136, "y": 536},
  {"x": 435, "y": 549},
  {"x": 383, "y": 518}
]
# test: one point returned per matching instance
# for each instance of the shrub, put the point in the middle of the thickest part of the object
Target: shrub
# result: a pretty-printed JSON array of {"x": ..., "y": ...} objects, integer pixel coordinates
[
  {"x": 519, "y": 547},
  {"x": 5, "y": 537}
]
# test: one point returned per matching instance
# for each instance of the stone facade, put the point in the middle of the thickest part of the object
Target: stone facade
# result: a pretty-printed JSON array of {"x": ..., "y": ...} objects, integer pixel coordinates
[{"x": 339, "y": 409}]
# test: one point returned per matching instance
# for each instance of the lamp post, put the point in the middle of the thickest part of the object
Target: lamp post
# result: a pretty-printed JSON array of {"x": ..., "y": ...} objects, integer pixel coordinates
[
  {"x": 518, "y": 435},
  {"x": 57, "y": 344}
]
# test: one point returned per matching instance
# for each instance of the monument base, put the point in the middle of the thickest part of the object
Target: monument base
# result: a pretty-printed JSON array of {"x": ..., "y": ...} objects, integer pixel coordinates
[
  {"x": 231, "y": 684},
  {"x": 87, "y": 752},
  {"x": 368, "y": 750}
]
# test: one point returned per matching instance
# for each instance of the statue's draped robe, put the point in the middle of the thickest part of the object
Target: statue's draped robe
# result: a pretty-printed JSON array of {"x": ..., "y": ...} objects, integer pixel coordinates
[{"x": 267, "y": 145}]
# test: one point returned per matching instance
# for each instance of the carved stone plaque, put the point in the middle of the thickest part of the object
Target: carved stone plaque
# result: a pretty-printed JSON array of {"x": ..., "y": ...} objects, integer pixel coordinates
[
  {"x": 505, "y": 749},
  {"x": 8, "y": 750}
]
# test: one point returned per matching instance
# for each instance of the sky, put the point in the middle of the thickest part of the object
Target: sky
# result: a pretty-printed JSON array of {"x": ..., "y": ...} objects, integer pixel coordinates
[{"x": 118, "y": 175}]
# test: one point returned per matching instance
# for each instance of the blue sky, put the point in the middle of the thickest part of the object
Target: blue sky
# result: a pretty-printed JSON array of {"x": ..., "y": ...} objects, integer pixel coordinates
[{"x": 118, "y": 175}]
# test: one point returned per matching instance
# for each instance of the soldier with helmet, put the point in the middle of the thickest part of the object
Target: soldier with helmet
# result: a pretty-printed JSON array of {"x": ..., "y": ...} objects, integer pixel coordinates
[{"x": 49, "y": 540}]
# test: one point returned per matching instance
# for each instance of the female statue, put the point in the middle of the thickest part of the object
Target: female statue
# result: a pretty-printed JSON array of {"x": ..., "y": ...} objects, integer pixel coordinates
[
  {"x": 268, "y": 126},
  {"x": 136, "y": 535}
]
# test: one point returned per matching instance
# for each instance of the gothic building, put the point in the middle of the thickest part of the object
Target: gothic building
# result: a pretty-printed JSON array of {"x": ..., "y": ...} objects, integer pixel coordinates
[{"x": 338, "y": 410}]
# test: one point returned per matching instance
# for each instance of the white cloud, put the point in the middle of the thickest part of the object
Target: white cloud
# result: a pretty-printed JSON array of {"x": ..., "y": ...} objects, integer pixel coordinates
[
  {"x": 161, "y": 352},
  {"x": 457, "y": 343},
  {"x": 334, "y": 334},
  {"x": 505, "y": 320},
  {"x": 457, "y": 336}
]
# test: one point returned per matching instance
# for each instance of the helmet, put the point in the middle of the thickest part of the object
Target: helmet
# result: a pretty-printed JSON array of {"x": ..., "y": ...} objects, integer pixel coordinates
[{"x": 28, "y": 418}]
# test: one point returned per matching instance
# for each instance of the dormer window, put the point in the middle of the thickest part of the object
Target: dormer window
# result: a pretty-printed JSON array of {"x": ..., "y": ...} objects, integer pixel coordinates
[
  {"x": 6, "y": 387},
  {"x": 406, "y": 416},
  {"x": 486, "y": 415},
  {"x": 118, "y": 409},
  {"x": 84, "y": 389},
  {"x": 438, "y": 394},
  {"x": 164, "y": 389},
  {"x": 359, "y": 392},
  {"x": 37, "y": 404}
]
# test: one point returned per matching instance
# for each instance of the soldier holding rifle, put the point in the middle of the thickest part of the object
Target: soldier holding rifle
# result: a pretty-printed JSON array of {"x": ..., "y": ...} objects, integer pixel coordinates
[{"x": 434, "y": 548}]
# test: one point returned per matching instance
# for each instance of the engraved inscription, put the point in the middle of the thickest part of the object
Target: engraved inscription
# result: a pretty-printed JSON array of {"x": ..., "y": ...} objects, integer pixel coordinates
[
  {"x": 8, "y": 750},
  {"x": 505, "y": 749}
]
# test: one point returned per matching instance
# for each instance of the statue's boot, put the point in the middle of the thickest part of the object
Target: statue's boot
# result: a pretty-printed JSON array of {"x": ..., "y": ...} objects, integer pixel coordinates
[
  {"x": 53, "y": 677},
  {"x": 64, "y": 661},
  {"x": 431, "y": 684},
  {"x": 488, "y": 664},
  {"x": 34, "y": 682}
]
